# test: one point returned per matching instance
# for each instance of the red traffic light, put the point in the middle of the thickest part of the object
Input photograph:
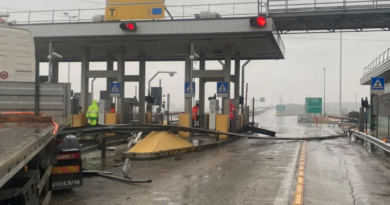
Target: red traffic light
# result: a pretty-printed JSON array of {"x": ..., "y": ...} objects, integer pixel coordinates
[
  {"x": 128, "y": 26},
  {"x": 258, "y": 21},
  {"x": 261, "y": 21}
]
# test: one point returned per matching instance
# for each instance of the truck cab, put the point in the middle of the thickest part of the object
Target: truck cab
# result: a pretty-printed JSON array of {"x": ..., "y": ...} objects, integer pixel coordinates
[{"x": 67, "y": 173}]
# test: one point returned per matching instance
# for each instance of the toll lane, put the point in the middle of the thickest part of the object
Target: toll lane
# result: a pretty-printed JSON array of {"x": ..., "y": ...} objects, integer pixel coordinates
[
  {"x": 245, "y": 172},
  {"x": 241, "y": 172},
  {"x": 340, "y": 172}
]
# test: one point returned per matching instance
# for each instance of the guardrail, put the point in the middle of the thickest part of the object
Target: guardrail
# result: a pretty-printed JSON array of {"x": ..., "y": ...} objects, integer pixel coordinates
[
  {"x": 380, "y": 60},
  {"x": 374, "y": 141},
  {"x": 226, "y": 10}
]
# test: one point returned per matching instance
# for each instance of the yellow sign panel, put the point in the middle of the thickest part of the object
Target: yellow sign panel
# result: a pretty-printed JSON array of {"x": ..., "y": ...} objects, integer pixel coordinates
[
  {"x": 123, "y": 2},
  {"x": 137, "y": 11}
]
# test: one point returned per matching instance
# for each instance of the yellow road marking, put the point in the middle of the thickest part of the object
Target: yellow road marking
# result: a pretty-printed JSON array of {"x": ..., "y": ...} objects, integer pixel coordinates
[{"x": 298, "y": 195}]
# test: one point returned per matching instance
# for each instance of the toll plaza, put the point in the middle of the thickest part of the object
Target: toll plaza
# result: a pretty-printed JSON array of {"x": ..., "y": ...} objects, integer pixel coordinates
[
  {"x": 260, "y": 170},
  {"x": 213, "y": 39}
]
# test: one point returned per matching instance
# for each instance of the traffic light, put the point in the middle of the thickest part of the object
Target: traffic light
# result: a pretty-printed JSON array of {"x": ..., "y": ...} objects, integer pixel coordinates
[
  {"x": 241, "y": 100},
  {"x": 365, "y": 103},
  {"x": 149, "y": 99},
  {"x": 259, "y": 21},
  {"x": 128, "y": 26}
]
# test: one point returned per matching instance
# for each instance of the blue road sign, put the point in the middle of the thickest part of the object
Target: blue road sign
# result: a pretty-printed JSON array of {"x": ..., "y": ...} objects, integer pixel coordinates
[
  {"x": 222, "y": 89},
  {"x": 115, "y": 90},
  {"x": 188, "y": 88},
  {"x": 377, "y": 85}
]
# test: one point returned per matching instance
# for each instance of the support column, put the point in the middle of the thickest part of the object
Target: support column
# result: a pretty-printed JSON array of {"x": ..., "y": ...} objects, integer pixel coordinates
[
  {"x": 237, "y": 75},
  {"x": 202, "y": 83},
  {"x": 237, "y": 65},
  {"x": 110, "y": 66},
  {"x": 84, "y": 79},
  {"x": 120, "y": 79},
  {"x": 187, "y": 109},
  {"x": 55, "y": 71},
  {"x": 141, "y": 90},
  {"x": 226, "y": 78},
  {"x": 37, "y": 83}
]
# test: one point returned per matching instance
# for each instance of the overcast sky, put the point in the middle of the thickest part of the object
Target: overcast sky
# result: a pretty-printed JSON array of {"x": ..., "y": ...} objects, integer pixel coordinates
[{"x": 299, "y": 74}]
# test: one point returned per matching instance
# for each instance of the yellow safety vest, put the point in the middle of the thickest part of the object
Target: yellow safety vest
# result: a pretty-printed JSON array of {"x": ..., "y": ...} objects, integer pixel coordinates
[{"x": 93, "y": 110}]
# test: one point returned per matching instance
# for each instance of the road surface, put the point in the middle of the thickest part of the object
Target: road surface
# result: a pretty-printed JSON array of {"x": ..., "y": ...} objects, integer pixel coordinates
[{"x": 247, "y": 172}]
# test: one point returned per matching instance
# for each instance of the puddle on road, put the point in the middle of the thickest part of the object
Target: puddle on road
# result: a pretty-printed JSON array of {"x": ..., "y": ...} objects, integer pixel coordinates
[{"x": 93, "y": 160}]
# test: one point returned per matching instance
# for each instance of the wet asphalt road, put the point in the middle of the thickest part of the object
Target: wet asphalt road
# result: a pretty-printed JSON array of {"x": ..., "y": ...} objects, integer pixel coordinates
[
  {"x": 247, "y": 172},
  {"x": 349, "y": 174}
]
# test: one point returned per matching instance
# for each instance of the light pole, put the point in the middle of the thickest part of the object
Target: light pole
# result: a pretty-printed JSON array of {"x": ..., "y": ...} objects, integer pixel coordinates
[
  {"x": 243, "y": 82},
  {"x": 171, "y": 73},
  {"x": 341, "y": 66},
  {"x": 324, "y": 93},
  {"x": 93, "y": 80},
  {"x": 52, "y": 55},
  {"x": 70, "y": 20},
  {"x": 66, "y": 14}
]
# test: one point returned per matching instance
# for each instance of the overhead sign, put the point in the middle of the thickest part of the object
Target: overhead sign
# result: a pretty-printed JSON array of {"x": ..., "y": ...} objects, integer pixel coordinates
[
  {"x": 115, "y": 90},
  {"x": 377, "y": 85},
  {"x": 136, "y": 11},
  {"x": 262, "y": 99},
  {"x": 280, "y": 107},
  {"x": 189, "y": 88},
  {"x": 222, "y": 89},
  {"x": 313, "y": 105},
  {"x": 126, "y": 2}
]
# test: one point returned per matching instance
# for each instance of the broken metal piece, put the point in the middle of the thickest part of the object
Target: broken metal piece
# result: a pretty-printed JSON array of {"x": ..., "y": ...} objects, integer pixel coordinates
[
  {"x": 179, "y": 155},
  {"x": 119, "y": 164},
  {"x": 134, "y": 139},
  {"x": 126, "y": 168},
  {"x": 96, "y": 172},
  {"x": 126, "y": 180}
]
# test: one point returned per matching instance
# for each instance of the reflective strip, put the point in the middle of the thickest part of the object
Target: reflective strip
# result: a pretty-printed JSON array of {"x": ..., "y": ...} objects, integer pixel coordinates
[
  {"x": 66, "y": 170},
  {"x": 93, "y": 111}
]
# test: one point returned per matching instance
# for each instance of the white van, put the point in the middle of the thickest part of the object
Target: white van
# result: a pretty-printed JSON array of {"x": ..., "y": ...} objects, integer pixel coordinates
[{"x": 17, "y": 55}]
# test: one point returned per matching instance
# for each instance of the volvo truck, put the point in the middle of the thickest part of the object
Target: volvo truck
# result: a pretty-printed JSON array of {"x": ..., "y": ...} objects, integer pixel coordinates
[{"x": 34, "y": 160}]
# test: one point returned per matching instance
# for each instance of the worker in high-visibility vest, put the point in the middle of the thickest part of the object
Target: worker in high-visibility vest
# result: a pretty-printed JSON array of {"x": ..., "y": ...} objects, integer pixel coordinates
[
  {"x": 232, "y": 109},
  {"x": 93, "y": 113},
  {"x": 112, "y": 108},
  {"x": 195, "y": 114}
]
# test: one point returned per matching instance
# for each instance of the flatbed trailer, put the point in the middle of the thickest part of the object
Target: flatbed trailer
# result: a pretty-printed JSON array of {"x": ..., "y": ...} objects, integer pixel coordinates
[
  {"x": 27, "y": 154},
  {"x": 29, "y": 144},
  {"x": 31, "y": 115}
]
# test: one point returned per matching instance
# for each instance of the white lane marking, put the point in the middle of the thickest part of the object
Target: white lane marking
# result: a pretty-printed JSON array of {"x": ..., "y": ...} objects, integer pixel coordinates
[{"x": 285, "y": 187}]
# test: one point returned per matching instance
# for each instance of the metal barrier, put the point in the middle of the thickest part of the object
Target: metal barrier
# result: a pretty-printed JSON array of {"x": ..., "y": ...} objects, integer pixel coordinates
[
  {"x": 380, "y": 60},
  {"x": 226, "y": 10},
  {"x": 375, "y": 141}
]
